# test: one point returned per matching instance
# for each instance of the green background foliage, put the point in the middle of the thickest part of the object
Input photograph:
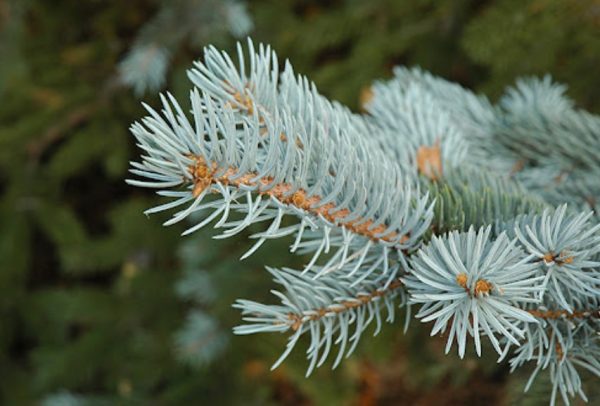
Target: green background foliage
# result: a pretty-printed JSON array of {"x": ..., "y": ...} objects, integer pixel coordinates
[{"x": 88, "y": 305}]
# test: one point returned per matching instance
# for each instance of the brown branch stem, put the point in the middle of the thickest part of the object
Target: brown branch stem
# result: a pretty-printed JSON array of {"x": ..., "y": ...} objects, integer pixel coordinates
[
  {"x": 296, "y": 320},
  {"x": 204, "y": 175},
  {"x": 559, "y": 314}
]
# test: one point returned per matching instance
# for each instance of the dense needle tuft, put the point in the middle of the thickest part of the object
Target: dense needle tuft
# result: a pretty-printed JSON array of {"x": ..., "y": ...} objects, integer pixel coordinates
[
  {"x": 469, "y": 284},
  {"x": 566, "y": 246}
]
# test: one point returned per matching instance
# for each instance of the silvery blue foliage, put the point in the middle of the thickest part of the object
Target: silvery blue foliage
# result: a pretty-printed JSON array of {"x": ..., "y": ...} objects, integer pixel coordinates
[
  {"x": 565, "y": 246},
  {"x": 325, "y": 158},
  {"x": 578, "y": 189},
  {"x": 537, "y": 112},
  {"x": 412, "y": 117},
  {"x": 480, "y": 248},
  {"x": 333, "y": 312},
  {"x": 564, "y": 348},
  {"x": 470, "y": 284},
  {"x": 472, "y": 113},
  {"x": 553, "y": 143},
  {"x": 467, "y": 118}
]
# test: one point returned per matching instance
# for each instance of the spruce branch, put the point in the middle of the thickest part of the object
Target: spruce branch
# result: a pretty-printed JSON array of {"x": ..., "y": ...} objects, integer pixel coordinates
[
  {"x": 338, "y": 183},
  {"x": 327, "y": 309},
  {"x": 412, "y": 203}
]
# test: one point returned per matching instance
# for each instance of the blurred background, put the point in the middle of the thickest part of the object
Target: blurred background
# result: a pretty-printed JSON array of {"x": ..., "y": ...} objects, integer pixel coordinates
[{"x": 101, "y": 305}]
